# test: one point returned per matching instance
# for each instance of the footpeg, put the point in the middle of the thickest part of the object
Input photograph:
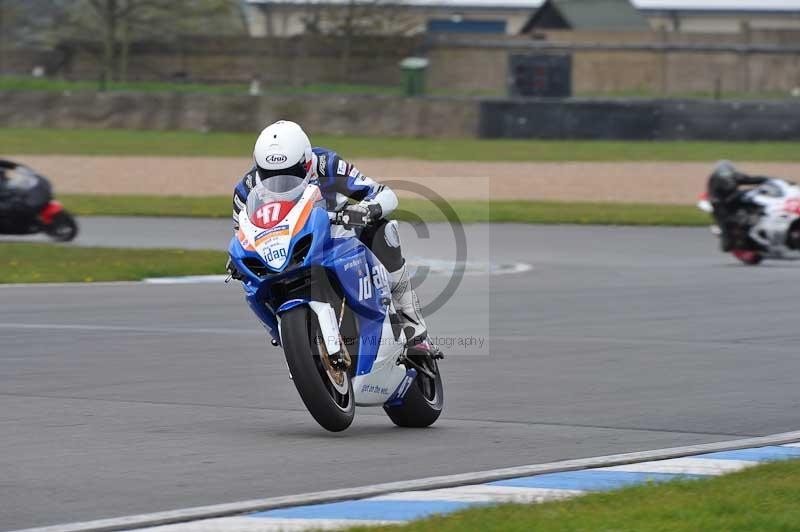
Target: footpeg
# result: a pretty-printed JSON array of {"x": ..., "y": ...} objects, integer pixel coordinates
[{"x": 427, "y": 348}]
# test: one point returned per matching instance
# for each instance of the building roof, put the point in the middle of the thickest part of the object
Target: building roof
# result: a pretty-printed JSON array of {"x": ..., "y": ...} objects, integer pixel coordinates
[
  {"x": 587, "y": 15},
  {"x": 447, "y": 4},
  {"x": 742, "y": 6}
]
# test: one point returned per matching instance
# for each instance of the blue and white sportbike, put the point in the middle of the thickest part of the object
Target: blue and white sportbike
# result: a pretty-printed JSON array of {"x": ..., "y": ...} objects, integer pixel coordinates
[{"x": 326, "y": 300}]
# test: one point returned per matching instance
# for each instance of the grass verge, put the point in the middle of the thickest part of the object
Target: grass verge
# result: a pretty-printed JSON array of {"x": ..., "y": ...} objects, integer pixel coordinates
[
  {"x": 532, "y": 212},
  {"x": 765, "y": 498},
  {"x": 15, "y": 83},
  {"x": 189, "y": 143},
  {"x": 48, "y": 263}
]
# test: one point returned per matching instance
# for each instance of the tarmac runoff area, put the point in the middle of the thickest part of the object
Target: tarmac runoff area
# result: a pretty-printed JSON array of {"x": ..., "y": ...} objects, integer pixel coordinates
[{"x": 129, "y": 398}]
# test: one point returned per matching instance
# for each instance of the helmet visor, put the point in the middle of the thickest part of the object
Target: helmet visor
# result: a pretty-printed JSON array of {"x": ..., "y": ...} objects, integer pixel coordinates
[{"x": 298, "y": 170}]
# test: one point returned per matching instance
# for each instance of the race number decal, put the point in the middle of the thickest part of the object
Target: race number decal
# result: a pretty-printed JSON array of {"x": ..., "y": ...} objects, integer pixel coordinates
[
  {"x": 270, "y": 214},
  {"x": 364, "y": 288}
]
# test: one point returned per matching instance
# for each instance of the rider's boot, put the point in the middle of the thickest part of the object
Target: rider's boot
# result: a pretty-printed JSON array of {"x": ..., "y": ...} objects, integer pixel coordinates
[{"x": 407, "y": 306}]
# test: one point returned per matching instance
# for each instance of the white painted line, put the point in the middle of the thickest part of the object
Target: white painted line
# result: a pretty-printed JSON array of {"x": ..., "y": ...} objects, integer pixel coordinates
[
  {"x": 686, "y": 466},
  {"x": 256, "y": 505},
  {"x": 69, "y": 285},
  {"x": 481, "y": 493},
  {"x": 189, "y": 279},
  {"x": 122, "y": 328},
  {"x": 263, "y": 524},
  {"x": 434, "y": 267}
]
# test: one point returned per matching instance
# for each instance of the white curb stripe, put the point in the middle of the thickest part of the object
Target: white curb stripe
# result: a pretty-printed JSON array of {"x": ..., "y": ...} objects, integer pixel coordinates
[
  {"x": 482, "y": 494},
  {"x": 249, "y": 524},
  {"x": 686, "y": 466}
]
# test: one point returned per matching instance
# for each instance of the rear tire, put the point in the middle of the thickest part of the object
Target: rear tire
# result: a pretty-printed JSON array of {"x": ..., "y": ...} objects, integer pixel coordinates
[
  {"x": 63, "y": 229},
  {"x": 331, "y": 408},
  {"x": 425, "y": 398}
]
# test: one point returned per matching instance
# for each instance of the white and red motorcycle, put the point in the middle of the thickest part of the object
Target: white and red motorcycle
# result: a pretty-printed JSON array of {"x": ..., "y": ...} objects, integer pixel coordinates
[{"x": 771, "y": 228}]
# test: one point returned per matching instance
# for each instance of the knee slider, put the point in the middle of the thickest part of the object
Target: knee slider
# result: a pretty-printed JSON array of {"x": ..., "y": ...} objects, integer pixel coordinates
[{"x": 391, "y": 234}]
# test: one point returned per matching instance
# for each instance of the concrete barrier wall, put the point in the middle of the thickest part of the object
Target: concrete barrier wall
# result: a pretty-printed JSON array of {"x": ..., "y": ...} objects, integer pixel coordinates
[
  {"x": 383, "y": 115},
  {"x": 332, "y": 114},
  {"x": 640, "y": 120}
]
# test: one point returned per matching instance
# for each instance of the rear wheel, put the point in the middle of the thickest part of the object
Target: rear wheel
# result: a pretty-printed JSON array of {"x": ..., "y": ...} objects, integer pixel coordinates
[
  {"x": 64, "y": 228},
  {"x": 424, "y": 401},
  {"x": 326, "y": 392}
]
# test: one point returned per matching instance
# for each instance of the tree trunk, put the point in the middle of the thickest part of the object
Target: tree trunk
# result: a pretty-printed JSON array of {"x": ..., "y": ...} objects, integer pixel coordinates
[
  {"x": 109, "y": 17},
  {"x": 2, "y": 37},
  {"x": 348, "y": 28},
  {"x": 124, "y": 53}
]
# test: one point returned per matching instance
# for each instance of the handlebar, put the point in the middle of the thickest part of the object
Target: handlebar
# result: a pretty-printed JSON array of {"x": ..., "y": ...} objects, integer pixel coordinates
[{"x": 343, "y": 219}]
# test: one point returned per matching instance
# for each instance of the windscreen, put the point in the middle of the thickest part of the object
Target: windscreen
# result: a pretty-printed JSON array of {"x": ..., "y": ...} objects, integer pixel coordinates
[
  {"x": 771, "y": 189},
  {"x": 21, "y": 178},
  {"x": 271, "y": 200}
]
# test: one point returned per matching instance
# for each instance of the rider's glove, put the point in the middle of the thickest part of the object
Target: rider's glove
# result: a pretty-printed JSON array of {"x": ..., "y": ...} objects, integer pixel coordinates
[
  {"x": 232, "y": 271},
  {"x": 361, "y": 214}
]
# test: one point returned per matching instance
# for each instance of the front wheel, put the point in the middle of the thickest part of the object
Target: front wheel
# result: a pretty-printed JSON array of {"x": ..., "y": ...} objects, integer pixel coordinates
[
  {"x": 326, "y": 392},
  {"x": 751, "y": 258},
  {"x": 64, "y": 228},
  {"x": 424, "y": 401}
]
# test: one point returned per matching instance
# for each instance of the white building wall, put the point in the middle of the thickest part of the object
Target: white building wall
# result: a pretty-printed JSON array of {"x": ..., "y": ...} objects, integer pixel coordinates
[
  {"x": 288, "y": 20},
  {"x": 724, "y": 22}
]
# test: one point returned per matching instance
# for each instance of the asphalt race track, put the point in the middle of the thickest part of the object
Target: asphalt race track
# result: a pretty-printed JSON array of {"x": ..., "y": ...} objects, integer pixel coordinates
[{"x": 130, "y": 398}]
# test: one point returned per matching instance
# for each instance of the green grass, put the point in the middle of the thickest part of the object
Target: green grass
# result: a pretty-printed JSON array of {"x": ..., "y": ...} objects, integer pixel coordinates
[
  {"x": 765, "y": 499},
  {"x": 44, "y": 84},
  {"x": 533, "y": 212},
  {"x": 692, "y": 95},
  {"x": 60, "y": 85},
  {"x": 48, "y": 263},
  {"x": 50, "y": 84},
  {"x": 189, "y": 143}
]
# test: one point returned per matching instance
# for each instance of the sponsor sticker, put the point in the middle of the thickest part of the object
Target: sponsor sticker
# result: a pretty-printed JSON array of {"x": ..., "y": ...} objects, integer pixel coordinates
[
  {"x": 341, "y": 169},
  {"x": 276, "y": 158},
  {"x": 275, "y": 232}
]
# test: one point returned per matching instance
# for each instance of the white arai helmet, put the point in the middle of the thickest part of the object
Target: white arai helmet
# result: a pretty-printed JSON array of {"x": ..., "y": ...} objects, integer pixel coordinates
[{"x": 283, "y": 148}]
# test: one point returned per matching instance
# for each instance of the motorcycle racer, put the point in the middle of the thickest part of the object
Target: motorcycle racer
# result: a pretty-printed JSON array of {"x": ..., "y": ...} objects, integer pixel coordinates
[
  {"x": 725, "y": 193},
  {"x": 363, "y": 205},
  {"x": 4, "y": 193}
]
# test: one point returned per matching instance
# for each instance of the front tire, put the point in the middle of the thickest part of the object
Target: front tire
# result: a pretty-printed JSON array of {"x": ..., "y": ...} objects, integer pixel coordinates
[
  {"x": 424, "y": 401},
  {"x": 751, "y": 258},
  {"x": 64, "y": 227},
  {"x": 331, "y": 403}
]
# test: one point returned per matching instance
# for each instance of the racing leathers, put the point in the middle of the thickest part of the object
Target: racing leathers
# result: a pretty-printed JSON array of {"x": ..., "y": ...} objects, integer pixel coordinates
[
  {"x": 725, "y": 194},
  {"x": 346, "y": 190}
]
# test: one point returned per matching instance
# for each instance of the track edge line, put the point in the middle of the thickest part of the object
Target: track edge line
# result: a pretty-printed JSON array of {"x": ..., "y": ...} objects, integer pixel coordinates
[{"x": 448, "y": 481}]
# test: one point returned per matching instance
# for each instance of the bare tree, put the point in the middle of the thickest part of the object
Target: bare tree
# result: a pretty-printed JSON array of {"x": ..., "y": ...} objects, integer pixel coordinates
[
  {"x": 4, "y": 17},
  {"x": 122, "y": 21},
  {"x": 355, "y": 19}
]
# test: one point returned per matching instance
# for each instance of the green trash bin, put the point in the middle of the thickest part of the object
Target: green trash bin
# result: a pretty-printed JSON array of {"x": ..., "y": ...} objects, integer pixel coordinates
[{"x": 414, "y": 71}]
